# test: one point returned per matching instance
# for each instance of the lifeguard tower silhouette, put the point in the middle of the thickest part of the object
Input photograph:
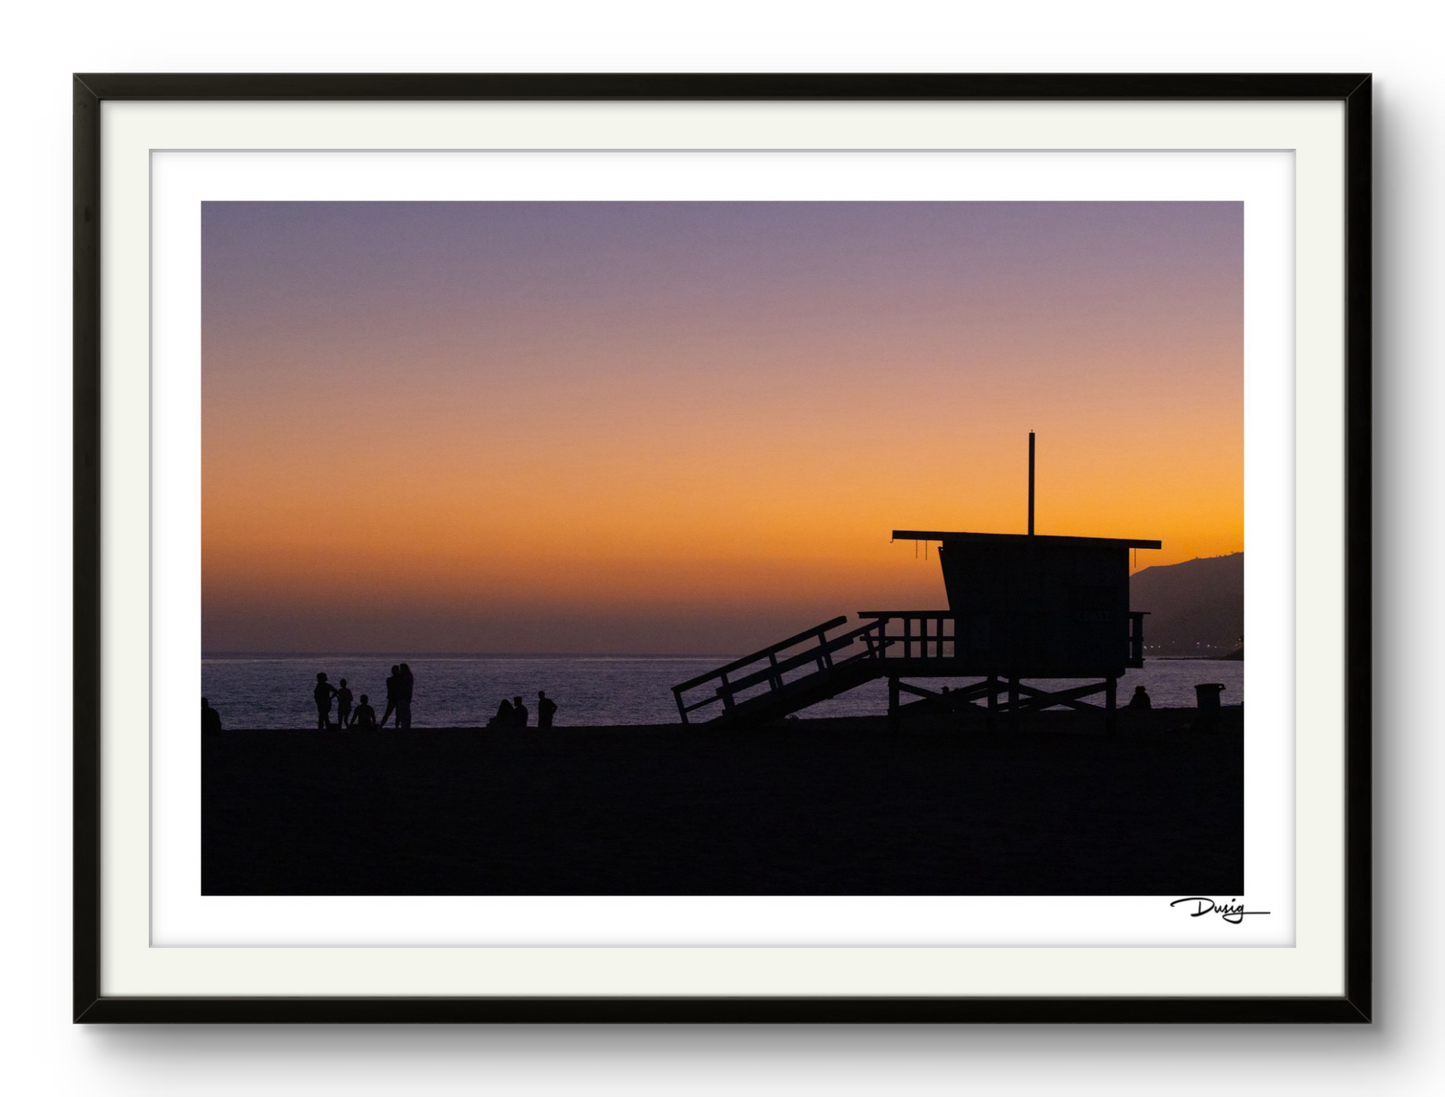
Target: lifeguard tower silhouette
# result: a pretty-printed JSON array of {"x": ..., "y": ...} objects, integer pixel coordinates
[{"x": 1020, "y": 606}]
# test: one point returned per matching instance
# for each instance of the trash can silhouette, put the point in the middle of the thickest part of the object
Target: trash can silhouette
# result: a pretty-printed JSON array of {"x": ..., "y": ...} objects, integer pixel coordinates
[{"x": 1206, "y": 696}]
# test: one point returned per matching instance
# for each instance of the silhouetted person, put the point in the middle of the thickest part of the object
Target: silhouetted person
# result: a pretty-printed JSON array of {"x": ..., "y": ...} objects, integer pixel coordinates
[
  {"x": 519, "y": 713},
  {"x": 364, "y": 717},
  {"x": 504, "y": 717},
  {"x": 393, "y": 689},
  {"x": 343, "y": 705},
  {"x": 210, "y": 718},
  {"x": 1140, "y": 700},
  {"x": 546, "y": 709},
  {"x": 323, "y": 693},
  {"x": 403, "y": 697}
]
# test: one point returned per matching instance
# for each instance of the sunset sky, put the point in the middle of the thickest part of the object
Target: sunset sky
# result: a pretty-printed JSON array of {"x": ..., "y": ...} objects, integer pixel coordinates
[{"x": 690, "y": 427}]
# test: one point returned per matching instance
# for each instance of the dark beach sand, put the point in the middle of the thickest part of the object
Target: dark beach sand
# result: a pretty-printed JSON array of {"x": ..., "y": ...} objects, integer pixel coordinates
[{"x": 809, "y": 807}]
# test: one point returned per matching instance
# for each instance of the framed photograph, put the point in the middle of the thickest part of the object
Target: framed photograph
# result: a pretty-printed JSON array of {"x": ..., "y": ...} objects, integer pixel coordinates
[{"x": 722, "y": 548}]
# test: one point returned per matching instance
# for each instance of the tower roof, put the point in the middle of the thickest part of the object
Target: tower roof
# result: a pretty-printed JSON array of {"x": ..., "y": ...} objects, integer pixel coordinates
[{"x": 1021, "y": 538}]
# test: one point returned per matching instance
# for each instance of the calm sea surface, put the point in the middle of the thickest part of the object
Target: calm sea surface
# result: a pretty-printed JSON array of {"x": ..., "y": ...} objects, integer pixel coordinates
[{"x": 464, "y": 691}]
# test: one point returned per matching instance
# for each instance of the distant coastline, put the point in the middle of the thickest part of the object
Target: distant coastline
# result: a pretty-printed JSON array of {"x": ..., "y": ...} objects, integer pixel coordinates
[{"x": 1196, "y": 608}]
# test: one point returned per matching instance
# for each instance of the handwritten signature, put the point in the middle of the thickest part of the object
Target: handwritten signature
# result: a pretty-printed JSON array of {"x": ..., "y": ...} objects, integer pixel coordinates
[{"x": 1232, "y": 911}]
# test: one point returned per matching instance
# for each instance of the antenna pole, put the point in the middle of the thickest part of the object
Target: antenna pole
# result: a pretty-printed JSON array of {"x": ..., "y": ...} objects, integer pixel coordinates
[{"x": 1031, "y": 483}]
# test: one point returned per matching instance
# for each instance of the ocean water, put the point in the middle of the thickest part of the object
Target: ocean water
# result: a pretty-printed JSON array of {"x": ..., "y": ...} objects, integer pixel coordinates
[{"x": 464, "y": 691}]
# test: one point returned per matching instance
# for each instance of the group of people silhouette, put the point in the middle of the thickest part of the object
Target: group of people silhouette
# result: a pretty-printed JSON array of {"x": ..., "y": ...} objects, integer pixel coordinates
[
  {"x": 510, "y": 714},
  {"x": 514, "y": 714},
  {"x": 398, "y": 700}
]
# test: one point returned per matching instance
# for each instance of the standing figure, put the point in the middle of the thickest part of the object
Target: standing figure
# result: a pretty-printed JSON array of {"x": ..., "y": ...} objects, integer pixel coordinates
[
  {"x": 323, "y": 693},
  {"x": 343, "y": 706},
  {"x": 393, "y": 687},
  {"x": 546, "y": 709},
  {"x": 519, "y": 713},
  {"x": 403, "y": 697},
  {"x": 364, "y": 717},
  {"x": 210, "y": 718}
]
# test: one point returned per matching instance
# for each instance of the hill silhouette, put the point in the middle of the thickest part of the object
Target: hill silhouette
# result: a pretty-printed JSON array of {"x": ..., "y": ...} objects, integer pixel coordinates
[{"x": 1195, "y": 608}]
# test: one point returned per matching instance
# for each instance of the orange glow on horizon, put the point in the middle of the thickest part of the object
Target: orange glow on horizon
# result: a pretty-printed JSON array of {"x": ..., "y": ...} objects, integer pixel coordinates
[{"x": 425, "y": 481}]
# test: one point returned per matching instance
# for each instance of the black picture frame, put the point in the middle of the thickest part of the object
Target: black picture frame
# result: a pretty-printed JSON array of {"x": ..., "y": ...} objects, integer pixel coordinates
[{"x": 91, "y": 90}]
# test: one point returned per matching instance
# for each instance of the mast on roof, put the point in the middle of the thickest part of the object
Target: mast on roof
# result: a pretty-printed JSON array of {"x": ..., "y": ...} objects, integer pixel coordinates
[{"x": 1031, "y": 483}]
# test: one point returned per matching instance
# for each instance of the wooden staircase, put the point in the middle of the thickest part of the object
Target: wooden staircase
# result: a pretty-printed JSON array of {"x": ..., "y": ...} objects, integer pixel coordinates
[{"x": 787, "y": 676}]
